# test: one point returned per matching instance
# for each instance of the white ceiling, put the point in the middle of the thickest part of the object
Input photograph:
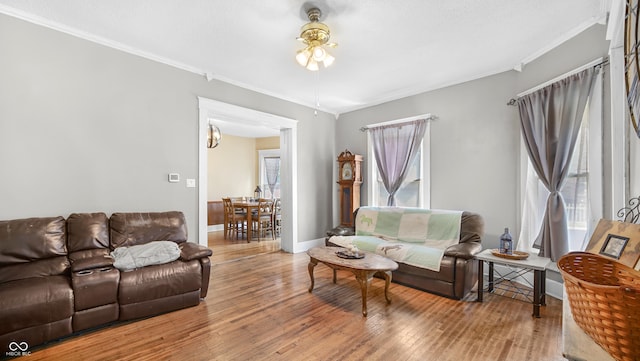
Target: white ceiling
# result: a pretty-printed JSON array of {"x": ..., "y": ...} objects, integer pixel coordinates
[{"x": 388, "y": 49}]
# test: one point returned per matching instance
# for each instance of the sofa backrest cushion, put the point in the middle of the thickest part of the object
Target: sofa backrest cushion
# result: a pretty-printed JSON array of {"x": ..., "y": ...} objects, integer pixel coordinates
[
  {"x": 86, "y": 231},
  {"x": 471, "y": 226},
  {"x": 435, "y": 228},
  {"x": 130, "y": 229},
  {"x": 32, "y": 247}
]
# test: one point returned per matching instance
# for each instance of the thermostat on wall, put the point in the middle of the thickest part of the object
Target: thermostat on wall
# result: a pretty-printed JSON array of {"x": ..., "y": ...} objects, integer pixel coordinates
[{"x": 174, "y": 177}]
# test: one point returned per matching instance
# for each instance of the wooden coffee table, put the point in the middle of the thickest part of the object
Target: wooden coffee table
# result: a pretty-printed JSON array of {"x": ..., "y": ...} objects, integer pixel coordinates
[{"x": 364, "y": 269}]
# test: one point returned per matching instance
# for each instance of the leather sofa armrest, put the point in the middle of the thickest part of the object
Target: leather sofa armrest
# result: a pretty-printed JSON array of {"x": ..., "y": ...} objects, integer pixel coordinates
[
  {"x": 190, "y": 251},
  {"x": 464, "y": 250},
  {"x": 91, "y": 263},
  {"x": 90, "y": 259},
  {"x": 341, "y": 231}
]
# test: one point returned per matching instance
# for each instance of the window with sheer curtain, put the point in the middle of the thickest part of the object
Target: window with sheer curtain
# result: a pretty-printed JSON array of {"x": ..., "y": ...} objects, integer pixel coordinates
[
  {"x": 410, "y": 193},
  {"x": 582, "y": 190},
  {"x": 269, "y": 168},
  {"x": 415, "y": 189}
]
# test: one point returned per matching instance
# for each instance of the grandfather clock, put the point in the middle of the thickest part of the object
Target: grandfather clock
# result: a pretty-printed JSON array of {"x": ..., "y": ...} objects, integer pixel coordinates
[{"x": 349, "y": 180}]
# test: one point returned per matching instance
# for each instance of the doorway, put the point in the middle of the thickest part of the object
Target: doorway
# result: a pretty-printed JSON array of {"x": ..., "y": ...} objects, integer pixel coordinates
[{"x": 220, "y": 111}]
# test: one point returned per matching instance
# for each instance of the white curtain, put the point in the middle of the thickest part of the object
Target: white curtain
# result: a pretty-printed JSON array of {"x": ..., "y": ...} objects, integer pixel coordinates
[
  {"x": 535, "y": 198},
  {"x": 272, "y": 170}
]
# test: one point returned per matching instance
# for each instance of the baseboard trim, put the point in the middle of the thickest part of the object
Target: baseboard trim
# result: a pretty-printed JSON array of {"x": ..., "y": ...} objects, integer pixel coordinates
[
  {"x": 300, "y": 247},
  {"x": 215, "y": 228}
]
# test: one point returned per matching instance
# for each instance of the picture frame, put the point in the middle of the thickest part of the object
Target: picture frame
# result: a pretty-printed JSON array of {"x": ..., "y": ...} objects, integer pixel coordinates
[{"x": 614, "y": 245}]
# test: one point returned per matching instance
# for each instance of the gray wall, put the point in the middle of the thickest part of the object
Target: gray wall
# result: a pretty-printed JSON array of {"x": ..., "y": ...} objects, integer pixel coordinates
[
  {"x": 86, "y": 128},
  {"x": 475, "y": 142}
]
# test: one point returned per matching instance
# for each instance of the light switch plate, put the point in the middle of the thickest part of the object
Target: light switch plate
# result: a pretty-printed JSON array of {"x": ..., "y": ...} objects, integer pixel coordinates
[
  {"x": 191, "y": 183},
  {"x": 174, "y": 177}
]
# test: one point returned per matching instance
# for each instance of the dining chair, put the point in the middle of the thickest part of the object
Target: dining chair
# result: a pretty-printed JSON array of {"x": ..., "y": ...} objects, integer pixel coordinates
[
  {"x": 277, "y": 217},
  {"x": 234, "y": 222},
  {"x": 263, "y": 222}
]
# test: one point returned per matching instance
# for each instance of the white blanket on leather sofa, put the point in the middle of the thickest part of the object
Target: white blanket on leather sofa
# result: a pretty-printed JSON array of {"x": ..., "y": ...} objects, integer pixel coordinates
[
  {"x": 414, "y": 236},
  {"x": 152, "y": 253}
]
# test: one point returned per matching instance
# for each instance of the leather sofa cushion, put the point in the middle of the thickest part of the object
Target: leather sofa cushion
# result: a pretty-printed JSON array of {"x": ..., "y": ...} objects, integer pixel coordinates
[
  {"x": 130, "y": 229},
  {"x": 40, "y": 268},
  {"x": 34, "y": 301},
  {"x": 152, "y": 282},
  {"x": 30, "y": 239},
  {"x": 87, "y": 231}
]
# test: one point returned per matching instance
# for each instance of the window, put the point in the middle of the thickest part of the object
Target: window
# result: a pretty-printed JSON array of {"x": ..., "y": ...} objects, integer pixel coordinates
[
  {"x": 415, "y": 189},
  {"x": 582, "y": 189},
  {"x": 269, "y": 168},
  {"x": 410, "y": 193}
]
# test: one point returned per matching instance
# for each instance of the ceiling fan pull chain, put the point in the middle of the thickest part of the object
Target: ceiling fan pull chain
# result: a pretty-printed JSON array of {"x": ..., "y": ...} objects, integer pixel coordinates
[{"x": 315, "y": 113}]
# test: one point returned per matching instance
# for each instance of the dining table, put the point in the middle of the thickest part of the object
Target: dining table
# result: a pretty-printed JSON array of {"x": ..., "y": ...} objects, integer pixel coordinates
[{"x": 248, "y": 206}]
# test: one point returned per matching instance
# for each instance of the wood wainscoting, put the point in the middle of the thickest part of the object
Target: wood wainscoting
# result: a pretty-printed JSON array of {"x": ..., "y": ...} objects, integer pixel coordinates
[{"x": 215, "y": 213}]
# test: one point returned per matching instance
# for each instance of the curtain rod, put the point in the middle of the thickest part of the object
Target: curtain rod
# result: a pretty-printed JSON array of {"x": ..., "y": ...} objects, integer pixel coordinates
[
  {"x": 400, "y": 121},
  {"x": 595, "y": 63}
]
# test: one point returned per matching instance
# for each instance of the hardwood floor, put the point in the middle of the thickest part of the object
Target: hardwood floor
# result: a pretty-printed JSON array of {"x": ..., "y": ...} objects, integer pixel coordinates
[{"x": 258, "y": 308}]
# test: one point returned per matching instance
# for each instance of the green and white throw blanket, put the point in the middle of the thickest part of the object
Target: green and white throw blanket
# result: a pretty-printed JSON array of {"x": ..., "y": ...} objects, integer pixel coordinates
[{"x": 413, "y": 236}]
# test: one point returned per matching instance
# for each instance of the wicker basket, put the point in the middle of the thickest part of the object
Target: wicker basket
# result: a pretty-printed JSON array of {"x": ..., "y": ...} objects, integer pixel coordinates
[{"x": 604, "y": 296}]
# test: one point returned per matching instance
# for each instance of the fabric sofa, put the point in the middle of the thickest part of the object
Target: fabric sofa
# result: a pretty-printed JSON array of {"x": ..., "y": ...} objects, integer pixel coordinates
[
  {"x": 454, "y": 276},
  {"x": 57, "y": 276}
]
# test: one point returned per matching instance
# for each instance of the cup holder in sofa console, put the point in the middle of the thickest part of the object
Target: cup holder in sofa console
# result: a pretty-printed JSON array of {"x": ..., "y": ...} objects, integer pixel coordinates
[{"x": 84, "y": 272}]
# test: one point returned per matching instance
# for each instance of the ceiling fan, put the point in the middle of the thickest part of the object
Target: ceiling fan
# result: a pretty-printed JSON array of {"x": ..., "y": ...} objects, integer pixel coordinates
[{"x": 315, "y": 35}]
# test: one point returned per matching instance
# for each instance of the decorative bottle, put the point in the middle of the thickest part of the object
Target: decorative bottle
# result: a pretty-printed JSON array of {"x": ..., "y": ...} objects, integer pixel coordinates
[{"x": 506, "y": 242}]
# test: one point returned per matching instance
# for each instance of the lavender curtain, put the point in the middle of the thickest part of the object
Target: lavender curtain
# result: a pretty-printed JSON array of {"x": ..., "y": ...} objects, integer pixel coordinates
[
  {"x": 272, "y": 170},
  {"x": 395, "y": 147},
  {"x": 550, "y": 120}
]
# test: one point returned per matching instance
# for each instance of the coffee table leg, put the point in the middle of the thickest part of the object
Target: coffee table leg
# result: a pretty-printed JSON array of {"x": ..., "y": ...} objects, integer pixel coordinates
[
  {"x": 364, "y": 279},
  {"x": 387, "y": 281},
  {"x": 312, "y": 263}
]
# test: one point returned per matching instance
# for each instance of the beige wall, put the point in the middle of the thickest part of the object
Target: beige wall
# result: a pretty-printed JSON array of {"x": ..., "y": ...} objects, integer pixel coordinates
[
  {"x": 268, "y": 143},
  {"x": 233, "y": 166}
]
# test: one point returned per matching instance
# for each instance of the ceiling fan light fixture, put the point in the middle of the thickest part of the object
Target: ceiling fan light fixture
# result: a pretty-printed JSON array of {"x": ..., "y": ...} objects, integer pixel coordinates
[
  {"x": 328, "y": 60},
  {"x": 315, "y": 35},
  {"x": 319, "y": 53},
  {"x": 312, "y": 65},
  {"x": 303, "y": 56}
]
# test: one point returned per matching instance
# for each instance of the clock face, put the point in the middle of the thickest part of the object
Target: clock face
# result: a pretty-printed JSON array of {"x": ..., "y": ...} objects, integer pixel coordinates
[{"x": 347, "y": 172}]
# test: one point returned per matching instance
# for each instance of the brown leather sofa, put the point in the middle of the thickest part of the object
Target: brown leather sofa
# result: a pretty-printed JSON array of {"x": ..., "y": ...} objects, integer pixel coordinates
[
  {"x": 458, "y": 270},
  {"x": 57, "y": 278}
]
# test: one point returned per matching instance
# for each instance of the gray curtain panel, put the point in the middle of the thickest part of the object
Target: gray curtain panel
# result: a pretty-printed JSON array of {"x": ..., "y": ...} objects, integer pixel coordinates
[
  {"x": 395, "y": 147},
  {"x": 550, "y": 120}
]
